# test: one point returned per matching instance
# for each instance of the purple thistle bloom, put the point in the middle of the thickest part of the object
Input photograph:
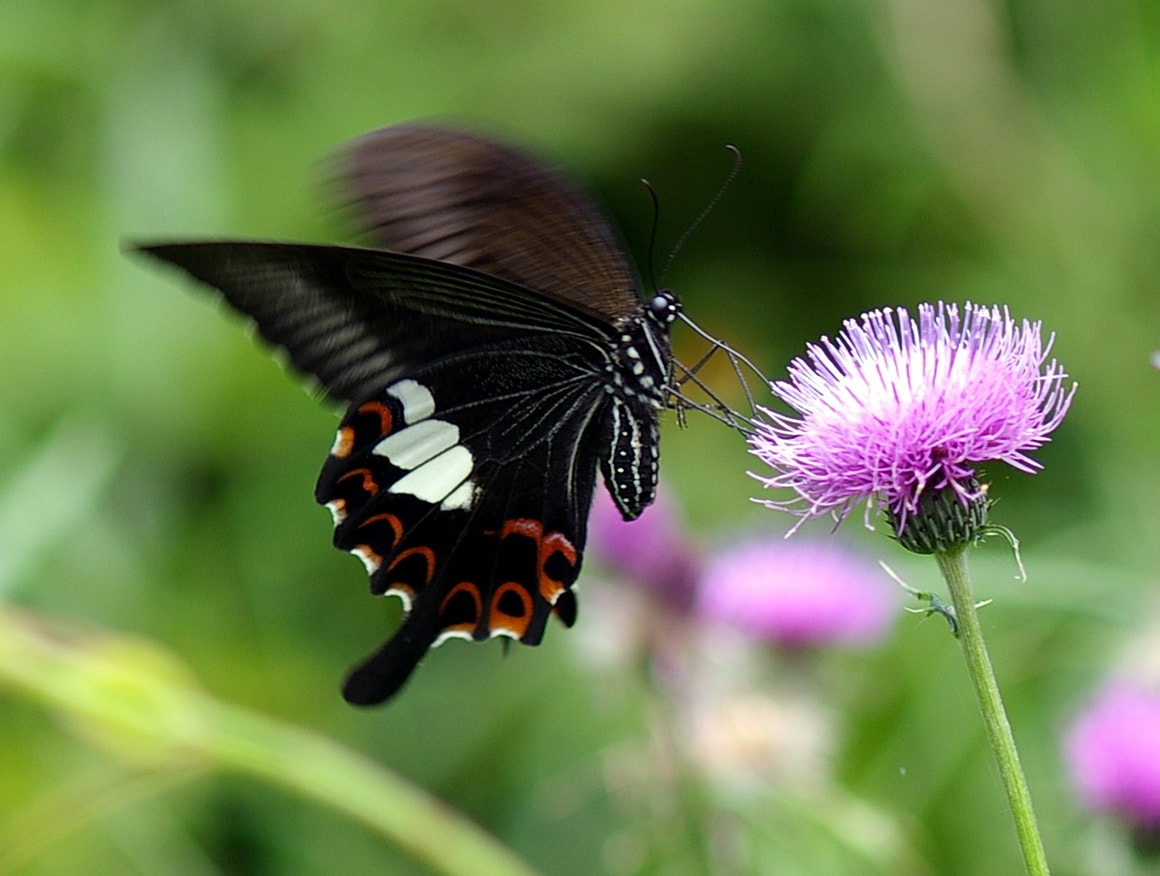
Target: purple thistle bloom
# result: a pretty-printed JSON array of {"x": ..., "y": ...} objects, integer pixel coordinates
[
  {"x": 1113, "y": 750},
  {"x": 655, "y": 551},
  {"x": 798, "y": 593},
  {"x": 895, "y": 407}
]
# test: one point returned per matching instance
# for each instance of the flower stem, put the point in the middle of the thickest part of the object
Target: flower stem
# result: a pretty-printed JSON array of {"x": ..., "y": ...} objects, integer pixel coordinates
[{"x": 953, "y": 565}]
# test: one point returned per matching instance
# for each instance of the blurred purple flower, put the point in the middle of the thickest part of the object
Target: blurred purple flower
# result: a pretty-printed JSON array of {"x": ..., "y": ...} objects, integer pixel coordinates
[
  {"x": 1113, "y": 750},
  {"x": 654, "y": 551},
  {"x": 797, "y": 593},
  {"x": 896, "y": 406}
]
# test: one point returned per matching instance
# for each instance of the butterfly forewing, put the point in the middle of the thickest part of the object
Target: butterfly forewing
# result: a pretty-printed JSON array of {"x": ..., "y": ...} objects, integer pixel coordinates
[
  {"x": 491, "y": 364},
  {"x": 357, "y": 319},
  {"x": 462, "y": 199}
]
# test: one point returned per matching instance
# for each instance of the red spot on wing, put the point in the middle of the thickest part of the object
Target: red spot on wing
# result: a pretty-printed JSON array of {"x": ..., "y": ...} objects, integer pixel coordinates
[
  {"x": 463, "y": 595},
  {"x": 386, "y": 418},
  {"x": 418, "y": 550},
  {"x": 499, "y": 619},
  {"x": 392, "y": 519},
  {"x": 522, "y": 526},
  {"x": 548, "y": 545},
  {"x": 368, "y": 479},
  {"x": 555, "y": 543}
]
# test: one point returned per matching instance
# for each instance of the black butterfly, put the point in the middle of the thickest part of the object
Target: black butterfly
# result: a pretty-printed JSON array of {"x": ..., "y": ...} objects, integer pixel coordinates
[{"x": 494, "y": 351}]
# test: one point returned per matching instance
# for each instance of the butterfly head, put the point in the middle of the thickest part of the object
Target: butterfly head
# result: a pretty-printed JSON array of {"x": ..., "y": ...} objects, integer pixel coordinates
[{"x": 664, "y": 307}]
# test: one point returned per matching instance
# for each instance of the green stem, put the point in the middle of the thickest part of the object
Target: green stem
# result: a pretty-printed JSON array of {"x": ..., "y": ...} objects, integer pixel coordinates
[{"x": 953, "y": 564}]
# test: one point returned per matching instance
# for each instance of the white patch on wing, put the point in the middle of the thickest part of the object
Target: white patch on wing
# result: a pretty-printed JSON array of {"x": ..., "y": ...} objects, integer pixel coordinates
[
  {"x": 411, "y": 447},
  {"x": 439, "y": 477},
  {"x": 461, "y": 499},
  {"x": 418, "y": 403}
]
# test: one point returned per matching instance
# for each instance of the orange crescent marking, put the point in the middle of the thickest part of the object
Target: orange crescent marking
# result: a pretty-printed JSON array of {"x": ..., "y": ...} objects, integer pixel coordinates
[
  {"x": 498, "y": 619},
  {"x": 557, "y": 543},
  {"x": 522, "y": 526},
  {"x": 386, "y": 418},
  {"x": 368, "y": 484},
  {"x": 473, "y": 591},
  {"x": 423, "y": 551},
  {"x": 547, "y": 544},
  {"x": 396, "y": 525},
  {"x": 553, "y": 543}
]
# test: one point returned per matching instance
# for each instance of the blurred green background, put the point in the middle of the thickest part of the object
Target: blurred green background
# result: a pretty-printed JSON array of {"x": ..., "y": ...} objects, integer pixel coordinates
[{"x": 156, "y": 468}]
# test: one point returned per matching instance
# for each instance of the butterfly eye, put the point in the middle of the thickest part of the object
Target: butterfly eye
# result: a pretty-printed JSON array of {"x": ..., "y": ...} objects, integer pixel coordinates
[{"x": 664, "y": 307}]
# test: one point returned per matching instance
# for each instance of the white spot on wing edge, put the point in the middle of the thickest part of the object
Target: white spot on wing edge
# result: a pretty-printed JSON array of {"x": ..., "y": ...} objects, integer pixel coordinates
[
  {"x": 418, "y": 403},
  {"x": 341, "y": 444},
  {"x": 452, "y": 634},
  {"x": 337, "y": 509},
  {"x": 369, "y": 559},
  {"x": 414, "y": 445},
  {"x": 439, "y": 477},
  {"x": 404, "y": 597},
  {"x": 461, "y": 499}
]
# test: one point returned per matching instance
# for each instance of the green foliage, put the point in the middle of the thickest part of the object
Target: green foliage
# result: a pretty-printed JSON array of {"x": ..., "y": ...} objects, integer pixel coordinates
[{"x": 156, "y": 470}]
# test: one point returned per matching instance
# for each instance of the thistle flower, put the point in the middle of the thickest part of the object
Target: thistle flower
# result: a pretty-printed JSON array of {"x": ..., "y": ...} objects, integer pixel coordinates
[
  {"x": 655, "y": 551},
  {"x": 900, "y": 411},
  {"x": 796, "y": 593},
  {"x": 1113, "y": 754}
]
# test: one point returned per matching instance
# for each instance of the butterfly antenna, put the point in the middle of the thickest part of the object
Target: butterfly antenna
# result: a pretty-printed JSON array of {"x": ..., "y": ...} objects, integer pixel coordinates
[
  {"x": 736, "y": 169},
  {"x": 652, "y": 234}
]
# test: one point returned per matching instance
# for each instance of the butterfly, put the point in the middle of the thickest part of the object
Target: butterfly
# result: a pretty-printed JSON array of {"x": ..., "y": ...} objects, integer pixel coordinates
[{"x": 493, "y": 352}]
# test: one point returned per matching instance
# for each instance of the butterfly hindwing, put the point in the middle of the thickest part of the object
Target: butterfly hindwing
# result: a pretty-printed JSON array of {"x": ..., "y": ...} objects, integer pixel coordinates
[{"x": 457, "y": 523}]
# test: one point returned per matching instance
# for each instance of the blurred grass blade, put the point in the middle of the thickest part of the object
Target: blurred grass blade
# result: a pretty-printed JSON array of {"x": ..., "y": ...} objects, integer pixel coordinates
[
  {"x": 59, "y": 486},
  {"x": 138, "y": 702}
]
